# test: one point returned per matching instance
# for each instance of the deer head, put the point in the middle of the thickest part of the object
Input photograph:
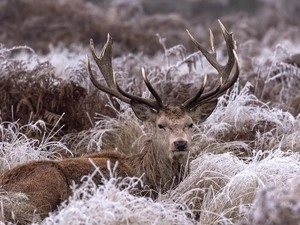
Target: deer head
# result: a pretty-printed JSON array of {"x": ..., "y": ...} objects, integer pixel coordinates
[{"x": 173, "y": 123}]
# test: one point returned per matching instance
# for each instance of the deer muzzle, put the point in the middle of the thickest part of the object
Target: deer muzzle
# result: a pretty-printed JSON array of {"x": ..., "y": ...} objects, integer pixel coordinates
[{"x": 181, "y": 146}]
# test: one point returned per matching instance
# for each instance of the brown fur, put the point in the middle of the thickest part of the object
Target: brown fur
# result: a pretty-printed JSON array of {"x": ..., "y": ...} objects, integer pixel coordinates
[
  {"x": 173, "y": 112},
  {"x": 159, "y": 172}
]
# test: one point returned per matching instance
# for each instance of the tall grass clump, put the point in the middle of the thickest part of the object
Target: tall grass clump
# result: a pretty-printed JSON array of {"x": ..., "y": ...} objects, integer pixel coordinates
[
  {"x": 221, "y": 187},
  {"x": 21, "y": 144}
]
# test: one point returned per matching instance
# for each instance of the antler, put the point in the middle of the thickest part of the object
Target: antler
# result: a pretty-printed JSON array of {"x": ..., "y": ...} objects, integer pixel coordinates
[
  {"x": 104, "y": 62},
  {"x": 224, "y": 71}
]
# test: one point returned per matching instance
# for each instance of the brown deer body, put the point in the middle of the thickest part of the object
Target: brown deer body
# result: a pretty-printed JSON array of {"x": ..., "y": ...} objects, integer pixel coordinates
[{"x": 163, "y": 161}]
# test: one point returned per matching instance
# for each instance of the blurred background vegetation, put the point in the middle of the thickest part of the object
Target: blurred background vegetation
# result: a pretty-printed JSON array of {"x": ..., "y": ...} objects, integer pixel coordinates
[{"x": 132, "y": 23}]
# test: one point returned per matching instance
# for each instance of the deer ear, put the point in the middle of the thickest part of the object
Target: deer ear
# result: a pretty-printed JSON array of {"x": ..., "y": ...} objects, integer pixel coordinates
[
  {"x": 143, "y": 111},
  {"x": 203, "y": 111}
]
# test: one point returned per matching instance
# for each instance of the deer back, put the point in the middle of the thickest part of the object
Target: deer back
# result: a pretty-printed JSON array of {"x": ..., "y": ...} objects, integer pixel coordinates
[{"x": 47, "y": 183}]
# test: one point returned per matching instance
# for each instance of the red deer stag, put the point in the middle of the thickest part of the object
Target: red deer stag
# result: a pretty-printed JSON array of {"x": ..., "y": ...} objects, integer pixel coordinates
[{"x": 164, "y": 158}]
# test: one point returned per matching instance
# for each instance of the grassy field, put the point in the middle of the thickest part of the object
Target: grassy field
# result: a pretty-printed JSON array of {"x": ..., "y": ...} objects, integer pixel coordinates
[{"x": 245, "y": 161}]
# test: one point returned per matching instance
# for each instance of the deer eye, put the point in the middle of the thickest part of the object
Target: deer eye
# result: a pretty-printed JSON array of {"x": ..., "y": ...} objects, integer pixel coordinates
[
  {"x": 190, "y": 125},
  {"x": 160, "y": 126}
]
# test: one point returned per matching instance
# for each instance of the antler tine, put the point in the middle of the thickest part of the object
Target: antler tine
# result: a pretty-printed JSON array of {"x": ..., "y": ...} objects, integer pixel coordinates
[
  {"x": 231, "y": 45},
  {"x": 157, "y": 105},
  {"x": 211, "y": 57},
  {"x": 225, "y": 83},
  {"x": 224, "y": 71},
  {"x": 151, "y": 89},
  {"x": 212, "y": 43},
  {"x": 199, "y": 93},
  {"x": 221, "y": 87},
  {"x": 104, "y": 62}
]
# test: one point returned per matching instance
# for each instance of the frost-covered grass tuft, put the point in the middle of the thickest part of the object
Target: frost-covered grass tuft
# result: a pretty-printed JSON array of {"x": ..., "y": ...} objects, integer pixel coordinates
[
  {"x": 21, "y": 144},
  {"x": 220, "y": 187},
  {"x": 275, "y": 205},
  {"x": 112, "y": 203},
  {"x": 123, "y": 133}
]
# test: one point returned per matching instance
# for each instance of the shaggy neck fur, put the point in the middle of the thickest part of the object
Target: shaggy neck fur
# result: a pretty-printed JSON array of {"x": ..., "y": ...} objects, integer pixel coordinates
[{"x": 159, "y": 172}]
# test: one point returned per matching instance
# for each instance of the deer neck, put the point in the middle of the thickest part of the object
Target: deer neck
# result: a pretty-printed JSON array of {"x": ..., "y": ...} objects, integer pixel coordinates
[{"x": 157, "y": 170}]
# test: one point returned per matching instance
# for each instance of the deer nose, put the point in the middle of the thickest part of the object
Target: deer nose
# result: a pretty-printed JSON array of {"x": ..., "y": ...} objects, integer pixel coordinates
[{"x": 180, "y": 145}]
